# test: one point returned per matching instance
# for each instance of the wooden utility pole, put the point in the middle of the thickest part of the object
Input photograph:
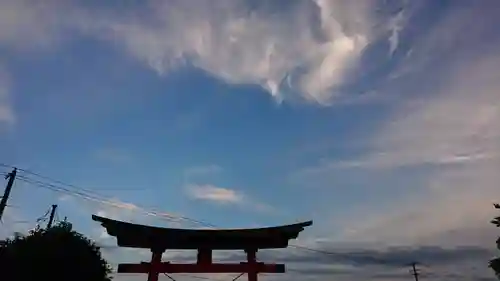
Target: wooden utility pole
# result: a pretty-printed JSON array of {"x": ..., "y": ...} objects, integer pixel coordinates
[
  {"x": 414, "y": 271},
  {"x": 3, "y": 203},
  {"x": 52, "y": 214}
]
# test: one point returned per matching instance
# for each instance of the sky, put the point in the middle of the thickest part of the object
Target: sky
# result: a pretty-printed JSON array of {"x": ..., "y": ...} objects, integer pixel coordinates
[{"x": 378, "y": 120}]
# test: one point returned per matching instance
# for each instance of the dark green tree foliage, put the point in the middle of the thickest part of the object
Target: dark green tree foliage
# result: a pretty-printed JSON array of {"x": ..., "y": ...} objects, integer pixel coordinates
[
  {"x": 56, "y": 254},
  {"x": 495, "y": 263}
]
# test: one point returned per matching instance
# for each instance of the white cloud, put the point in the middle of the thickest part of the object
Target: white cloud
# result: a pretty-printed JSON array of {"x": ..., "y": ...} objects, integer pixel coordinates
[
  {"x": 214, "y": 194},
  {"x": 226, "y": 196},
  {"x": 395, "y": 26},
  {"x": 7, "y": 115},
  {"x": 451, "y": 213},
  {"x": 457, "y": 125},
  {"x": 307, "y": 48},
  {"x": 27, "y": 24},
  {"x": 455, "y": 129},
  {"x": 285, "y": 47},
  {"x": 448, "y": 133}
]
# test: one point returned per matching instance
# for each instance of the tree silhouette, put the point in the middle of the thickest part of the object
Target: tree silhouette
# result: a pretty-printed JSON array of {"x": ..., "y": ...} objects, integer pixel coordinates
[
  {"x": 56, "y": 254},
  {"x": 495, "y": 263}
]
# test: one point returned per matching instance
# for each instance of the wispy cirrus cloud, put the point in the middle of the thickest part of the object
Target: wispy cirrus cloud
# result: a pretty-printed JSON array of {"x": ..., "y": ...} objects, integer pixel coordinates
[
  {"x": 309, "y": 49},
  {"x": 26, "y": 26},
  {"x": 262, "y": 45},
  {"x": 226, "y": 196},
  {"x": 196, "y": 189},
  {"x": 214, "y": 194},
  {"x": 32, "y": 26},
  {"x": 7, "y": 115},
  {"x": 447, "y": 136},
  {"x": 435, "y": 130}
]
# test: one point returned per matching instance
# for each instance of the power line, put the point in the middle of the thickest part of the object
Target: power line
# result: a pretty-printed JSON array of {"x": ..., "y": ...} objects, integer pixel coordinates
[
  {"x": 62, "y": 189},
  {"x": 44, "y": 217},
  {"x": 102, "y": 200},
  {"x": 48, "y": 178},
  {"x": 88, "y": 194},
  {"x": 311, "y": 249},
  {"x": 83, "y": 195},
  {"x": 91, "y": 195},
  {"x": 114, "y": 204}
]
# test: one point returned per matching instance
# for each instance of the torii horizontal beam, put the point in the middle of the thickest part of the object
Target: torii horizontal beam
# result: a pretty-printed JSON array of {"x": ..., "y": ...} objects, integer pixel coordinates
[
  {"x": 166, "y": 267},
  {"x": 149, "y": 237}
]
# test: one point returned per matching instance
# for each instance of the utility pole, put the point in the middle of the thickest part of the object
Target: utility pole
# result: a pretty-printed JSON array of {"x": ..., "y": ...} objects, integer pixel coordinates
[
  {"x": 3, "y": 203},
  {"x": 414, "y": 271},
  {"x": 52, "y": 214}
]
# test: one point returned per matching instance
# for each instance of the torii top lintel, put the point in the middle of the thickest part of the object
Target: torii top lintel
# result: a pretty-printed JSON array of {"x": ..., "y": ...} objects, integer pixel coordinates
[{"x": 149, "y": 237}]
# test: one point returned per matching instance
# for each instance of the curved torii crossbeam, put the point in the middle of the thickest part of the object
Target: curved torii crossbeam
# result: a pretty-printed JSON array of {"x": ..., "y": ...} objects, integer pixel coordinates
[{"x": 204, "y": 241}]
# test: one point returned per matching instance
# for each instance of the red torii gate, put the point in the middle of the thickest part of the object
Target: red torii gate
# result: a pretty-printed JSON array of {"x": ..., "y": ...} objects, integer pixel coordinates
[{"x": 204, "y": 241}]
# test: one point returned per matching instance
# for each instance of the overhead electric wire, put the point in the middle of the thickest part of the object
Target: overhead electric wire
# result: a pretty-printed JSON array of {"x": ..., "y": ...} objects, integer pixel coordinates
[
  {"x": 311, "y": 249},
  {"x": 87, "y": 196},
  {"x": 91, "y": 195},
  {"x": 94, "y": 196},
  {"x": 44, "y": 217},
  {"x": 48, "y": 178}
]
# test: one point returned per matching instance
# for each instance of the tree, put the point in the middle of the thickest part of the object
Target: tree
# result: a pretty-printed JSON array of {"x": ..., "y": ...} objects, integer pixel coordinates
[
  {"x": 55, "y": 254},
  {"x": 495, "y": 263}
]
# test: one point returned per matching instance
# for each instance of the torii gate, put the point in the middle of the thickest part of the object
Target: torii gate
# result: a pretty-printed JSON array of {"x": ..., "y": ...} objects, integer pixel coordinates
[{"x": 204, "y": 241}]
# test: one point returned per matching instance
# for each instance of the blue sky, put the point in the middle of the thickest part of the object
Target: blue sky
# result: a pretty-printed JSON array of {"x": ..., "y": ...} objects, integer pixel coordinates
[{"x": 376, "y": 119}]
